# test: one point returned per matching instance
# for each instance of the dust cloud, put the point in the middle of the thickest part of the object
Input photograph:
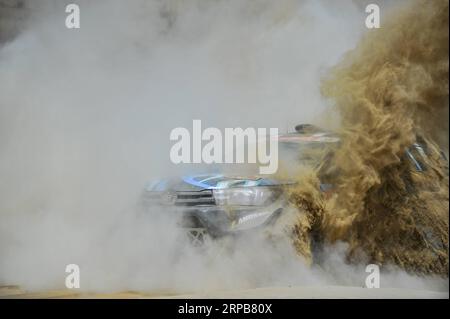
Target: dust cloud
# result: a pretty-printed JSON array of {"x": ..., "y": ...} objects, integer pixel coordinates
[
  {"x": 85, "y": 117},
  {"x": 390, "y": 91}
]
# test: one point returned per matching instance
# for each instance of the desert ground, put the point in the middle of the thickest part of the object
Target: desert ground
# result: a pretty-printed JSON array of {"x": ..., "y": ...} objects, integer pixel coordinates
[{"x": 307, "y": 292}]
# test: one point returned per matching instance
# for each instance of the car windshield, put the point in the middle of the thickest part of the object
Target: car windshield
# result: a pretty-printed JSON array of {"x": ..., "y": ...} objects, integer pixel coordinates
[{"x": 307, "y": 154}]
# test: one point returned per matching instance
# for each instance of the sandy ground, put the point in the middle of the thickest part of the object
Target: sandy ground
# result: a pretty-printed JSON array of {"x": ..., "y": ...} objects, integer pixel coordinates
[{"x": 313, "y": 292}]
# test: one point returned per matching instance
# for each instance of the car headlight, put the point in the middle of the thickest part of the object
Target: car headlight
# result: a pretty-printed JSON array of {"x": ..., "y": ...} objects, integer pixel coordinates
[{"x": 243, "y": 196}]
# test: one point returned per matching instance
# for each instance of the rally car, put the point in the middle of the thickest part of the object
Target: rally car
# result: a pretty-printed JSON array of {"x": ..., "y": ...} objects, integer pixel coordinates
[
  {"x": 217, "y": 205},
  {"x": 211, "y": 206}
]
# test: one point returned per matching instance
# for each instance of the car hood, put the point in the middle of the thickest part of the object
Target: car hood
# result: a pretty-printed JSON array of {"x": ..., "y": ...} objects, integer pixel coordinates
[{"x": 211, "y": 181}]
